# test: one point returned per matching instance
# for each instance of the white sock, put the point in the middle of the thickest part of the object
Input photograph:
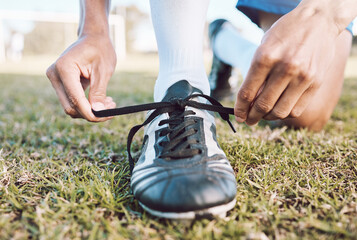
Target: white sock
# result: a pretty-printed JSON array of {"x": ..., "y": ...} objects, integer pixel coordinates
[
  {"x": 179, "y": 26},
  {"x": 231, "y": 48}
]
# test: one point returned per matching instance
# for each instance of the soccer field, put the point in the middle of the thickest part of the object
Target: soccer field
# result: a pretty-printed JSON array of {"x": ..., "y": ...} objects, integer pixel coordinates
[{"x": 62, "y": 178}]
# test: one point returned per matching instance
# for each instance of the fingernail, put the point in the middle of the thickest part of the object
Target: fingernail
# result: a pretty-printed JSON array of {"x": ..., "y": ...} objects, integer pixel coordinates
[
  {"x": 240, "y": 120},
  {"x": 97, "y": 106}
]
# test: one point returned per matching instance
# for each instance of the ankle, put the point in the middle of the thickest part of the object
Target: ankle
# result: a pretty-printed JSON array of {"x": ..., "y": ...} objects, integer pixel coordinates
[{"x": 163, "y": 83}]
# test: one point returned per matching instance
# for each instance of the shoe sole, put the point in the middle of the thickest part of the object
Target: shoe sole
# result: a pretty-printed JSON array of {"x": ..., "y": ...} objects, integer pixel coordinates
[{"x": 217, "y": 211}]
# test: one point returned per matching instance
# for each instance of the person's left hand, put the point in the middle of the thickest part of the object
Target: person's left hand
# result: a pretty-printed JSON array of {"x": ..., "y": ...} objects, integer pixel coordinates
[{"x": 288, "y": 68}]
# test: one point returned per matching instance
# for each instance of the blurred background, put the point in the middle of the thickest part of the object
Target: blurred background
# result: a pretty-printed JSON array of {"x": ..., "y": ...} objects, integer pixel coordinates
[{"x": 34, "y": 32}]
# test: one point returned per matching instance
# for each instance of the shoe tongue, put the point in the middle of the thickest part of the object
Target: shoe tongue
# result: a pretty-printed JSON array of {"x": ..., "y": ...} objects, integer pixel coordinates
[{"x": 180, "y": 89}]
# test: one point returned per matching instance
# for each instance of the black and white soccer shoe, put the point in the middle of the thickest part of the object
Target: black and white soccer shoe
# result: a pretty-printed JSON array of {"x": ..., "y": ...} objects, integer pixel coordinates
[
  {"x": 182, "y": 173},
  {"x": 220, "y": 71}
]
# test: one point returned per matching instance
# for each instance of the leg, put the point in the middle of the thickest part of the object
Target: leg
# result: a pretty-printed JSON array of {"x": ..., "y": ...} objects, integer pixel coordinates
[
  {"x": 182, "y": 173},
  {"x": 179, "y": 27},
  {"x": 319, "y": 111},
  {"x": 229, "y": 48},
  {"x": 240, "y": 52}
]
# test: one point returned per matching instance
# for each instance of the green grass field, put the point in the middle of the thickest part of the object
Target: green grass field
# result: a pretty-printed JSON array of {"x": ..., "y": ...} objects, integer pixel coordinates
[{"x": 68, "y": 179}]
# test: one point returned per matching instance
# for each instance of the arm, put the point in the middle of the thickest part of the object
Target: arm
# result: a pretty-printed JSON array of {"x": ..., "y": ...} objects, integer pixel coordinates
[
  {"x": 94, "y": 17},
  {"x": 288, "y": 68},
  {"x": 88, "y": 62}
]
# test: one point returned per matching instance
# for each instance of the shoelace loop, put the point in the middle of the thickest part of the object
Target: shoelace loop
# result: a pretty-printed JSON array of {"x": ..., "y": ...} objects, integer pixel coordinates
[
  {"x": 180, "y": 141},
  {"x": 176, "y": 104}
]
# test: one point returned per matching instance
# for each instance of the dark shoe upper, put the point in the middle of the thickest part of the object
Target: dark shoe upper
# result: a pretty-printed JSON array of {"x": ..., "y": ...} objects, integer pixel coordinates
[
  {"x": 215, "y": 27},
  {"x": 220, "y": 71},
  {"x": 181, "y": 167}
]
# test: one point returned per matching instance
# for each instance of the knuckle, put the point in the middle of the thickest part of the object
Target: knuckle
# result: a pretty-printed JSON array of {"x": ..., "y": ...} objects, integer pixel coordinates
[
  {"x": 295, "y": 113},
  {"x": 295, "y": 64},
  {"x": 70, "y": 111},
  {"x": 291, "y": 67},
  {"x": 264, "y": 59},
  {"x": 280, "y": 113},
  {"x": 262, "y": 106},
  {"x": 73, "y": 100},
  {"x": 240, "y": 112},
  {"x": 306, "y": 77},
  {"x": 98, "y": 95},
  {"x": 50, "y": 73},
  {"x": 60, "y": 64},
  {"x": 246, "y": 95},
  {"x": 315, "y": 84}
]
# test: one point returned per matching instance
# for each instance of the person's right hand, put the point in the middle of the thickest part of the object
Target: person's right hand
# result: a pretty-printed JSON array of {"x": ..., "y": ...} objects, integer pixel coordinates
[{"x": 89, "y": 62}]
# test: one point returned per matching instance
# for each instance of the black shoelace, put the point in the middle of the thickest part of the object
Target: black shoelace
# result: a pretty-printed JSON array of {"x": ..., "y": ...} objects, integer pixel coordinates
[{"x": 175, "y": 147}]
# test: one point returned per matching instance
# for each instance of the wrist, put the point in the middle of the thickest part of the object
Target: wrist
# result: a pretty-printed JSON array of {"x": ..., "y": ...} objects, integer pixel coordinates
[
  {"x": 94, "y": 17},
  {"x": 89, "y": 28},
  {"x": 338, "y": 14}
]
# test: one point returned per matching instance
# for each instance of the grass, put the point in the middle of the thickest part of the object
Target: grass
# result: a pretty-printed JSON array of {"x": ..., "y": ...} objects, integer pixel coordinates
[{"x": 68, "y": 179}]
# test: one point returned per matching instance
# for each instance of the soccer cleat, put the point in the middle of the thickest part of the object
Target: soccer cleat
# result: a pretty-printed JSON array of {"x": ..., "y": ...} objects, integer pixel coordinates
[
  {"x": 220, "y": 71},
  {"x": 182, "y": 173}
]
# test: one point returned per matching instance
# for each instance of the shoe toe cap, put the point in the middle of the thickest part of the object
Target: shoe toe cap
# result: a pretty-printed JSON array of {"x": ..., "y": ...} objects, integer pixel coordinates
[{"x": 182, "y": 192}]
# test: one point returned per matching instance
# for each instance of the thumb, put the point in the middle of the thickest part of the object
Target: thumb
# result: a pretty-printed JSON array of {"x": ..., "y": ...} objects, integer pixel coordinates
[
  {"x": 97, "y": 91},
  {"x": 98, "y": 106}
]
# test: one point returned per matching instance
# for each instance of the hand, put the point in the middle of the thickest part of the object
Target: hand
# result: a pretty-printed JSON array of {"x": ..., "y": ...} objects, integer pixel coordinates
[
  {"x": 288, "y": 68},
  {"x": 89, "y": 62}
]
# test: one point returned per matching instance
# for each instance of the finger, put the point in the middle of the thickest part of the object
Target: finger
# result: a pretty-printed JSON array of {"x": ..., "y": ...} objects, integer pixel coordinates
[
  {"x": 256, "y": 76},
  {"x": 61, "y": 94},
  {"x": 109, "y": 103},
  {"x": 302, "y": 85},
  {"x": 98, "y": 88},
  {"x": 274, "y": 88},
  {"x": 286, "y": 102},
  {"x": 70, "y": 78},
  {"x": 303, "y": 102}
]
